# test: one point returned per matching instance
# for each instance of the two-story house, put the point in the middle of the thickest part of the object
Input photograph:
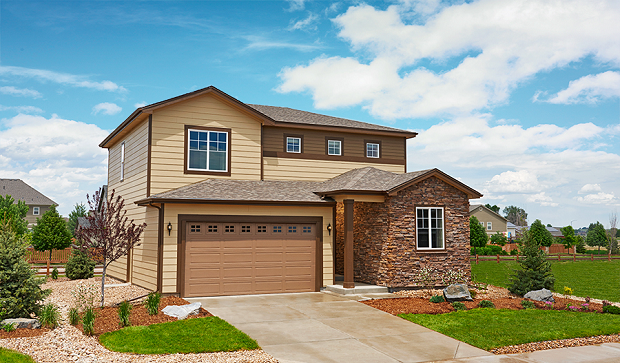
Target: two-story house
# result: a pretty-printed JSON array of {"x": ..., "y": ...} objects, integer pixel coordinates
[
  {"x": 491, "y": 221},
  {"x": 20, "y": 191},
  {"x": 245, "y": 199}
]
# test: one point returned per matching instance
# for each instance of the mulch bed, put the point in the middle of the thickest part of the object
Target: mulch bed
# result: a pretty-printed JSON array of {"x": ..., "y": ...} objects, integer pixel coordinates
[
  {"x": 23, "y": 333},
  {"x": 107, "y": 318}
]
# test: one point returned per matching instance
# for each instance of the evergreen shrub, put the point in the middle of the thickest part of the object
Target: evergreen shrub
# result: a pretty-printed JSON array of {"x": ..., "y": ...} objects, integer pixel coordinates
[{"x": 79, "y": 266}]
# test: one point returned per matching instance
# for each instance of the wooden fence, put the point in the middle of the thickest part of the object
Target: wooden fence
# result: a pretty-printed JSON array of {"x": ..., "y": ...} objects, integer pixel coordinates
[
  {"x": 567, "y": 257},
  {"x": 554, "y": 248},
  {"x": 58, "y": 256}
]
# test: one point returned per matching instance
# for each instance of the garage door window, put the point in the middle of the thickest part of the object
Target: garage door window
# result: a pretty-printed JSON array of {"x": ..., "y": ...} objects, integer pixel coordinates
[
  {"x": 195, "y": 228},
  {"x": 246, "y": 229},
  {"x": 261, "y": 229},
  {"x": 212, "y": 229},
  {"x": 229, "y": 229},
  {"x": 292, "y": 229},
  {"x": 277, "y": 229},
  {"x": 307, "y": 229}
]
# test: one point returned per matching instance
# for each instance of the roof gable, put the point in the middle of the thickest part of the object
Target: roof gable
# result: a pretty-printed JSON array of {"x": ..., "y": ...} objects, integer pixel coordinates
[
  {"x": 474, "y": 207},
  {"x": 19, "y": 190}
]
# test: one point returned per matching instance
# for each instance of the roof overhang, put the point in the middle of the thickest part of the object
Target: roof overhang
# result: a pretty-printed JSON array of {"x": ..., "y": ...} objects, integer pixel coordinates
[
  {"x": 471, "y": 193},
  {"x": 150, "y": 201},
  {"x": 352, "y": 130}
]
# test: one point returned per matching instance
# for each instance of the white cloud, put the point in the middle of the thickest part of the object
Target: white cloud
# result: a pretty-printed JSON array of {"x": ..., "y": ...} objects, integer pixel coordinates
[
  {"x": 543, "y": 199},
  {"x": 308, "y": 23},
  {"x": 598, "y": 198},
  {"x": 107, "y": 108},
  {"x": 590, "y": 89},
  {"x": 500, "y": 43},
  {"x": 514, "y": 182},
  {"x": 589, "y": 188},
  {"x": 296, "y": 5},
  {"x": 61, "y": 78},
  {"x": 140, "y": 104},
  {"x": 60, "y": 158},
  {"x": 21, "y": 109},
  {"x": 259, "y": 43},
  {"x": 24, "y": 92}
]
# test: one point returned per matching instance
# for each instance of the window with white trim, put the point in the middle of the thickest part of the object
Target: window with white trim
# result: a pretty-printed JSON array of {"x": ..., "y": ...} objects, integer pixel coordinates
[
  {"x": 489, "y": 226},
  {"x": 372, "y": 150},
  {"x": 123, "y": 161},
  {"x": 334, "y": 147},
  {"x": 208, "y": 150},
  {"x": 35, "y": 211},
  {"x": 293, "y": 144},
  {"x": 430, "y": 230}
]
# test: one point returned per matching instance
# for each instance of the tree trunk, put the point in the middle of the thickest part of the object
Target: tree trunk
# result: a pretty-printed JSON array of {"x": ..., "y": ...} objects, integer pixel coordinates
[
  {"x": 105, "y": 267},
  {"x": 49, "y": 262}
]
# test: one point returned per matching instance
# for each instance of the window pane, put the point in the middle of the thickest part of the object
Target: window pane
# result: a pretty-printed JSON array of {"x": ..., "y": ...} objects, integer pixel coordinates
[
  {"x": 193, "y": 135},
  {"x": 212, "y": 136},
  {"x": 202, "y": 145},
  {"x": 212, "y": 146},
  {"x": 293, "y": 144},
  {"x": 423, "y": 238},
  {"x": 197, "y": 160},
  {"x": 217, "y": 161},
  {"x": 222, "y": 136},
  {"x": 203, "y": 136},
  {"x": 193, "y": 145},
  {"x": 221, "y": 146}
]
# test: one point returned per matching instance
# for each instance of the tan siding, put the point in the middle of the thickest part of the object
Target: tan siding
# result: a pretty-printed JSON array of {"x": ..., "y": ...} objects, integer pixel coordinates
[
  {"x": 168, "y": 144},
  {"x": 173, "y": 210},
  {"x": 314, "y": 142},
  {"x": 498, "y": 224},
  {"x": 316, "y": 170}
]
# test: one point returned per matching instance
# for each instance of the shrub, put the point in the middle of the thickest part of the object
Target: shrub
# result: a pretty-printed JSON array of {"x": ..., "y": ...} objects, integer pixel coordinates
[
  {"x": 50, "y": 316},
  {"x": 606, "y": 303},
  {"x": 457, "y": 305},
  {"x": 514, "y": 252},
  {"x": 473, "y": 293},
  {"x": 453, "y": 277},
  {"x": 437, "y": 299},
  {"x": 152, "y": 303},
  {"x": 20, "y": 288},
  {"x": 88, "y": 321},
  {"x": 124, "y": 310},
  {"x": 611, "y": 309},
  {"x": 528, "y": 304},
  {"x": 74, "y": 316},
  {"x": 486, "y": 304},
  {"x": 79, "y": 266},
  {"x": 8, "y": 327},
  {"x": 534, "y": 272},
  {"x": 55, "y": 274}
]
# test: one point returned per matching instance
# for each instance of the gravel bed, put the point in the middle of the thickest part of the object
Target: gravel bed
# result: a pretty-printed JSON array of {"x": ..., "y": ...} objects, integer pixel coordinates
[
  {"x": 556, "y": 344},
  {"x": 491, "y": 292},
  {"x": 68, "y": 344}
]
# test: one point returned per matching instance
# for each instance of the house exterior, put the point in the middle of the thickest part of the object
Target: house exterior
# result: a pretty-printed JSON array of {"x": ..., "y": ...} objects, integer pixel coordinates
[
  {"x": 491, "y": 221},
  {"x": 37, "y": 202},
  {"x": 245, "y": 199}
]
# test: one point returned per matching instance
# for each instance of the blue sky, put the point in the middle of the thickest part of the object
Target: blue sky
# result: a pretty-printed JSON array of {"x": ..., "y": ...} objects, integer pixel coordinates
[{"x": 519, "y": 100}]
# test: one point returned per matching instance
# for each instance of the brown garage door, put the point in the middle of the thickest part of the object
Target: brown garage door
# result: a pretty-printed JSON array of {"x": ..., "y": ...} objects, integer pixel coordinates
[{"x": 249, "y": 258}]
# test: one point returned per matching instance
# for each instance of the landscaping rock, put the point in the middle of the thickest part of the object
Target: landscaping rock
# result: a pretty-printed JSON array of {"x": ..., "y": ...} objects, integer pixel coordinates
[
  {"x": 20, "y": 323},
  {"x": 182, "y": 311},
  {"x": 457, "y": 292},
  {"x": 540, "y": 295}
]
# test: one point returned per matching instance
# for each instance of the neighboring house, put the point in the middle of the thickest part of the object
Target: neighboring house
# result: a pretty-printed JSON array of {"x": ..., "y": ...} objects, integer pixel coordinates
[
  {"x": 37, "y": 203},
  {"x": 490, "y": 220},
  {"x": 245, "y": 199},
  {"x": 511, "y": 229}
]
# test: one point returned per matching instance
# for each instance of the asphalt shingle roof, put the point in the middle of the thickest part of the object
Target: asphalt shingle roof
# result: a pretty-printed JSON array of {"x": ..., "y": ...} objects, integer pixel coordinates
[
  {"x": 367, "y": 179},
  {"x": 19, "y": 190}
]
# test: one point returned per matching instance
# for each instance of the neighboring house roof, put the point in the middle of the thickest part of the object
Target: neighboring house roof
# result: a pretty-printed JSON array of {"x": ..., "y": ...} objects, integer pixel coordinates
[
  {"x": 366, "y": 180},
  {"x": 270, "y": 115},
  {"x": 473, "y": 207},
  {"x": 19, "y": 190},
  {"x": 555, "y": 232},
  {"x": 510, "y": 225},
  {"x": 83, "y": 222}
]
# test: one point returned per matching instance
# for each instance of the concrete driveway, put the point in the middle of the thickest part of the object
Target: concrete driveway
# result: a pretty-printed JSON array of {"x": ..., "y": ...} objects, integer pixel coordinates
[{"x": 320, "y": 327}]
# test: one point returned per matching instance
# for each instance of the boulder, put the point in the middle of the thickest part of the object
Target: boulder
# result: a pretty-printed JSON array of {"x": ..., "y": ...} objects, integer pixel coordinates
[
  {"x": 23, "y": 323},
  {"x": 182, "y": 311},
  {"x": 540, "y": 295},
  {"x": 457, "y": 292}
]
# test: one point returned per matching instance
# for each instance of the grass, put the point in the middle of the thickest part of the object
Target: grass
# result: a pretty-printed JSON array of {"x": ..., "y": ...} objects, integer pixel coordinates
[
  {"x": 10, "y": 356},
  {"x": 210, "y": 334},
  {"x": 487, "y": 328},
  {"x": 596, "y": 279}
]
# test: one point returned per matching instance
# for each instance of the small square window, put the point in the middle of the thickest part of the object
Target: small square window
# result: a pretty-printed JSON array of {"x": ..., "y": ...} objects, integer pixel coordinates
[
  {"x": 35, "y": 211},
  {"x": 293, "y": 144},
  {"x": 292, "y": 229},
  {"x": 229, "y": 229},
  {"x": 245, "y": 229},
  {"x": 372, "y": 150},
  {"x": 334, "y": 147},
  {"x": 212, "y": 229},
  {"x": 261, "y": 229},
  {"x": 277, "y": 229},
  {"x": 307, "y": 229},
  {"x": 194, "y": 228}
]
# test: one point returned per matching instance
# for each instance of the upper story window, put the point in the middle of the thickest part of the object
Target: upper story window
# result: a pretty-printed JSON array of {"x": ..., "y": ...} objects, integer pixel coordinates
[
  {"x": 429, "y": 231},
  {"x": 489, "y": 226},
  {"x": 123, "y": 161},
  {"x": 334, "y": 147},
  {"x": 208, "y": 150},
  {"x": 372, "y": 150},
  {"x": 293, "y": 144},
  {"x": 35, "y": 211}
]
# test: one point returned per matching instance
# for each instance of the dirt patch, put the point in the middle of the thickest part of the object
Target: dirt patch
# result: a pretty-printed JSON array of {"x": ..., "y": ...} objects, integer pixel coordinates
[{"x": 23, "y": 333}]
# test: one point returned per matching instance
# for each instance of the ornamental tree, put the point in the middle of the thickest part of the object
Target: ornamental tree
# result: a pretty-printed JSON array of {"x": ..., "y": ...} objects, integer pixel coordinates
[
  {"x": 540, "y": 234},
  {"x": 477, "y": 235},
  {"x": 14, "y": 214},
  {"x": 534, "y": 272},
  {"x": 50, "y": 233},
  {"x": 597, "y": 236},
  {"x": 108, "y": 235},
  {"x": 499, "y": 239},
  {"x": 570, "y": 239}
]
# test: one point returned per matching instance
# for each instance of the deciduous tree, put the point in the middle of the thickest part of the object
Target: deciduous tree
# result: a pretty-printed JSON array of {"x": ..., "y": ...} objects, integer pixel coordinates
[
  {"x": 611, "y": 236},
  {"x": 597, "y": 236},
  {"x": 477, "y": 235},
  {"x": 499, "y": 239},
  {"x": 540, "y": 235},
  {"x": 570, "y": 239},
  {"x": 109, "y": 235},
  {"x": 515, "y": 215},
  {"x": 14, "y": 214},
  {"x": 494, "y": 208},
  {"x": 50, "y": 233}
]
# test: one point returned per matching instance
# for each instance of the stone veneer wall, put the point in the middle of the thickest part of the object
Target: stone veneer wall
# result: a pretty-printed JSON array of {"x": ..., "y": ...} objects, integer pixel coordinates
[{"x": 384, "y": 248}]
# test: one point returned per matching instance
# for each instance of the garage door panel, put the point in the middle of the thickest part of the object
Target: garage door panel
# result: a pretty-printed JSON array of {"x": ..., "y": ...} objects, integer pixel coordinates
[
  {"x": 236, "y": 271},
  {"x": 268, "y": 272}
]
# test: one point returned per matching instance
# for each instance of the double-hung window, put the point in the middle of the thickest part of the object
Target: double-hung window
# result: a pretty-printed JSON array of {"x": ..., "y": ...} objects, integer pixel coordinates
[
  {"x": 489, "y": 226},
  {"x": 372, "y": 150},
  {"x": 293, "y": 144},
  {"x": 208, "y": 150},
  {"x": 430, "y": 228},
  {"x": 35, "y": 211},
  {"x": 334, "y": 147}
]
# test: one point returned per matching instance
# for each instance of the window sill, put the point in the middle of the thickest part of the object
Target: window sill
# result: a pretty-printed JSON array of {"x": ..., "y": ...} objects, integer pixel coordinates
[{"x": 431, "y": 251}]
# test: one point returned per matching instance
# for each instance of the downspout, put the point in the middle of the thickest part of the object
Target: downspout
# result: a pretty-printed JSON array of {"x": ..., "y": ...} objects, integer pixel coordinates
[{"x": 160, "y": 243}]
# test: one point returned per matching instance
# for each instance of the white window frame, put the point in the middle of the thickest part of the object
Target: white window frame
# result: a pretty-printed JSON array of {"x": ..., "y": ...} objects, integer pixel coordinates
[
  {"x": 292, "y": 139},
  {"x": 208, "y": 151},
  {"x": 429, "y": 229},
  {"x": 329, "y": 147},
  {"x": 123, "y": 161},
  {"x": 36, "y": 211},
  {"x": 489, "y": 226},
  {"x": 371, "y": 154}
]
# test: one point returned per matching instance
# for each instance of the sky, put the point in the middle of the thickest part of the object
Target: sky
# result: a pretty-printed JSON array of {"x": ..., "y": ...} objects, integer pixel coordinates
[{"x": 520, "y": 100}]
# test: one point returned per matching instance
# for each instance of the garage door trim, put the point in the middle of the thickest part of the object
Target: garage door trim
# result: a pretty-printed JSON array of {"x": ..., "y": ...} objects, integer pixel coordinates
[{"x": 182, "y": 240}]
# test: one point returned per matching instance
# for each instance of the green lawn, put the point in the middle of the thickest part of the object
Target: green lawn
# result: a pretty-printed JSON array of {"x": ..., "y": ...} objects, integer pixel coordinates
[
  {"x": 490, "y": 328},
  {"x": 597, "y": 279},
  {"x": 10, "y": 356},
  {"x": 210, "y": 334}
]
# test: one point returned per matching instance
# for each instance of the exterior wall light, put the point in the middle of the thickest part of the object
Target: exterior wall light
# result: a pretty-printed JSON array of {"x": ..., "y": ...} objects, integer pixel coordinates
[
  {"x": 329, "y": 229},
  {"x": 169, "y": 228}
]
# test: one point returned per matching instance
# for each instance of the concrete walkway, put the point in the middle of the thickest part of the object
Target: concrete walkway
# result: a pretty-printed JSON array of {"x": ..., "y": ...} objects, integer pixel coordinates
[
  {"x": 604, "y": 353},
  {"x": 321, "y": 327}
]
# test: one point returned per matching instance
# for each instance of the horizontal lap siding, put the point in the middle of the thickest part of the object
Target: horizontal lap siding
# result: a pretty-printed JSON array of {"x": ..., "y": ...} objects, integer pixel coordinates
[
  {"x": 173, "y": 210},
  {"x": 133, "y": 188},
  {"x": 168, "y": 141},
  {"x": 316, "y": 170}
]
